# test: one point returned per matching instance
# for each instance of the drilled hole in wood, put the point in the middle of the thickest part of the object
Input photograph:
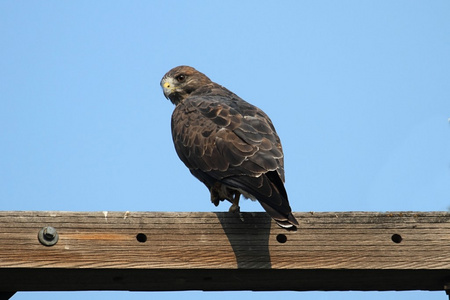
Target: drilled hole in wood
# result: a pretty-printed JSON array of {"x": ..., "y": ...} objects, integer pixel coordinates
[
  {"x": 396, "y": 238},
  {"x": 141, "y": 237},
  {"x": 281, "y": 238}
]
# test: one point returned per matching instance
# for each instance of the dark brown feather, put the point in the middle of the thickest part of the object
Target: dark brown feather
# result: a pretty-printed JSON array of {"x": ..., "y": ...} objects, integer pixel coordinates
[{"x": 227, "y": 143}]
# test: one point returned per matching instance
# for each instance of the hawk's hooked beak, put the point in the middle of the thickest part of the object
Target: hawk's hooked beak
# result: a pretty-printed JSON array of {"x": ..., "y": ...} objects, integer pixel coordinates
[{"x": 168, "y": 87}]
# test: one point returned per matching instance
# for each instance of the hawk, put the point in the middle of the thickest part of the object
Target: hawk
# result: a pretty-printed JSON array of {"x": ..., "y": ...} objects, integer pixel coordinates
[{"x": 227, "y": 143}]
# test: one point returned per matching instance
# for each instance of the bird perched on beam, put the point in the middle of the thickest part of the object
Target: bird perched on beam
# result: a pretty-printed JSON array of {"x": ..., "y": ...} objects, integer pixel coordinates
[{"x": 227, "y": 143}]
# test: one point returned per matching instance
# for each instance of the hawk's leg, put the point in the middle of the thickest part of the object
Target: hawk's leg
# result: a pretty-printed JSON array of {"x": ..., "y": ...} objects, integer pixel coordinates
[
  {"x": 234, "y": 208},
  {"x": 215, "y": 193},
  {"x": 215, "y": 197}
]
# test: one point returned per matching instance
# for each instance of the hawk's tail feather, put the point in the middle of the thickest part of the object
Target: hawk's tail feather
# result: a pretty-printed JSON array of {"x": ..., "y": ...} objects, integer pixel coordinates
[
  {"x": 286, "y": 225},
  {"x": 285, "y": 221},
  {"x": 269, "y": 190}
]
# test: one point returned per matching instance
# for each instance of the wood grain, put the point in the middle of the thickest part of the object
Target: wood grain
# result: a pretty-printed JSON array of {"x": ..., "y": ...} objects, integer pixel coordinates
[{"x": 225, "y": 251}]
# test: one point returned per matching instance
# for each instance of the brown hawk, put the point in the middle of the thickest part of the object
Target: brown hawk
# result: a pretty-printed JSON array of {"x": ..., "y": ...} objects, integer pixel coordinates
[{"x": 227, "y": 143}]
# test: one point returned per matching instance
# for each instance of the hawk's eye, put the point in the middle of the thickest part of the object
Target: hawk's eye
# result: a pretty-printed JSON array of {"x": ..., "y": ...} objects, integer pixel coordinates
[{"x": 180, "y": 78}]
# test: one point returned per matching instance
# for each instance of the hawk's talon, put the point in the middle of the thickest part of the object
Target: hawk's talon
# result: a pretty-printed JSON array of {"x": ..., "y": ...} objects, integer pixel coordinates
[{"x": 234, "y": 208}]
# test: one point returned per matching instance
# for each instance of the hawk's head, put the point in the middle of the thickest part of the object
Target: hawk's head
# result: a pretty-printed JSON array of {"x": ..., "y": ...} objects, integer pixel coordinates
[{"x": 181, "y": 81}]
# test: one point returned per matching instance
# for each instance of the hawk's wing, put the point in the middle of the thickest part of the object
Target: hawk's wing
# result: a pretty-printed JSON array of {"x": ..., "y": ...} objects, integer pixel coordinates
[{"x": 225, "y": 139}]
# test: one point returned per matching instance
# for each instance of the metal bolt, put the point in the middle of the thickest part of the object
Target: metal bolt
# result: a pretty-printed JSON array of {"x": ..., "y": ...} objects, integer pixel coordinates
[
  {"x": 48, "y": 236},
  {"x": 49, "y": 233}
]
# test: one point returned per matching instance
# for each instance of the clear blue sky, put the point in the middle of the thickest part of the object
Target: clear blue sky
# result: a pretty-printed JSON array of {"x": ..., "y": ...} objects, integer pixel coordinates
[{"x": 359, "y": 92}]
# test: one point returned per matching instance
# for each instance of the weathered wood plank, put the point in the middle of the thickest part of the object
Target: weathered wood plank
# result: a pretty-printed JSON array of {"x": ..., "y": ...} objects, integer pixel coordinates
[{"x": 224, "y": 251}]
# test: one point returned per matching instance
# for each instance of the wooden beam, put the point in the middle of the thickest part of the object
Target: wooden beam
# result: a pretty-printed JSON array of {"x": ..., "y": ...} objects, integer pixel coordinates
[{"x": 159, "y": 251}]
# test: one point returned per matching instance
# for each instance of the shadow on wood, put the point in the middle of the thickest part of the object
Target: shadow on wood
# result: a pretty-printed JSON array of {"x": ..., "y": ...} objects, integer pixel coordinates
[{"x": 248, "y": 234}]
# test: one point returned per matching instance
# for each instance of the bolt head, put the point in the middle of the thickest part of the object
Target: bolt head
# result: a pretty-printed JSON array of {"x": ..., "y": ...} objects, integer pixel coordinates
[
  {"x": 49, "y": 233},
  {"x": 48, "y": 236}
]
